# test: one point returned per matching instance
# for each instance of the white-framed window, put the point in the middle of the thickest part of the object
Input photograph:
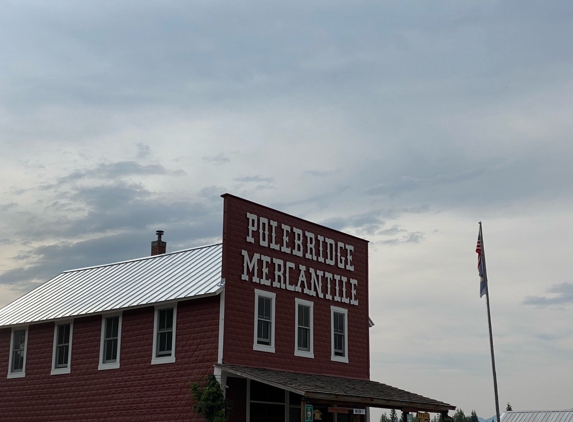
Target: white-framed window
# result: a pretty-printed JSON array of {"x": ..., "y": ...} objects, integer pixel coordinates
[
  {"x": 264, "y": 337},
  {"x": 18, "y": 349},
  {"x": 339, "y": 327},
  {"x": 62, "y": 352},
  {"x": 110, "y": 345},
  {"x": 164, "y": 334},
  {"x": 304, "y": 316}
]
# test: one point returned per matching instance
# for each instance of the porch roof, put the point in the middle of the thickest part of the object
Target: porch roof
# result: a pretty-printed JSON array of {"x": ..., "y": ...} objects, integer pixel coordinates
[{"x": 339, "y": 390}]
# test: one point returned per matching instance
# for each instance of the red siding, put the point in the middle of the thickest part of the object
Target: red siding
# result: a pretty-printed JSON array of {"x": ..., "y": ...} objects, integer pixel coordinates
[
  {"x": 137, "y": 391},
  {"x": 239, "y": 301}
]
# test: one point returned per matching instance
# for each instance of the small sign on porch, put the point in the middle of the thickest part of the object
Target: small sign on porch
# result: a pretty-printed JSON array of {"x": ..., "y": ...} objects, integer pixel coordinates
[{"x": 308, "y": 413}]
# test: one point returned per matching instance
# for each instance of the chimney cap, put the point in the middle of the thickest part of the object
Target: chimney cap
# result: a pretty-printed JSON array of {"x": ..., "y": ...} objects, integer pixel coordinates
[{"x": 158, "y": 246}]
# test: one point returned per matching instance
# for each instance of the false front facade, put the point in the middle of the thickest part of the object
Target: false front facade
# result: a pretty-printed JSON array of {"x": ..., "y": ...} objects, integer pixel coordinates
[{"x": 278, "y": 312}]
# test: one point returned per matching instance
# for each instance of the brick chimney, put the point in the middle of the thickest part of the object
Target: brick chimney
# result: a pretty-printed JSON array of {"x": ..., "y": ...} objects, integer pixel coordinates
[{"x": 158, "y": 246}]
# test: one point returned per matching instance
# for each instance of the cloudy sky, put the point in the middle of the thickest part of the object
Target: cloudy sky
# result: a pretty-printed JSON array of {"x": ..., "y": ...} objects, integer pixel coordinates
[{"x": 403, "y": 122}]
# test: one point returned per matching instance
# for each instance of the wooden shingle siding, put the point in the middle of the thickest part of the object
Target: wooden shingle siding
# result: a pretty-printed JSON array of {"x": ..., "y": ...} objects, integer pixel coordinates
[
  {"x": 136, "y": 391},
  {"x": 239, "y": 297}
]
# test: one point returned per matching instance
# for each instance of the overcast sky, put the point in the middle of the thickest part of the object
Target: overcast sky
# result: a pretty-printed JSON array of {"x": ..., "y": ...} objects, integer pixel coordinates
[{"x": 403, "y": 122}]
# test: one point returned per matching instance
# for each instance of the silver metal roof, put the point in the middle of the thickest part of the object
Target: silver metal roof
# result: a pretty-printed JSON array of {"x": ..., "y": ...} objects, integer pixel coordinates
[
  {"x": 538, "y": 416},
  {"x": 139, "y": 282}
]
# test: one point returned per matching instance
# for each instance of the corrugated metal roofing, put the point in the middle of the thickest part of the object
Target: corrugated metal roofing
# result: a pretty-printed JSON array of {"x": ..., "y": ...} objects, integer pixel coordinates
[
  {"x": 538, "y": 416},
  {"x": 144, "y": 281}
]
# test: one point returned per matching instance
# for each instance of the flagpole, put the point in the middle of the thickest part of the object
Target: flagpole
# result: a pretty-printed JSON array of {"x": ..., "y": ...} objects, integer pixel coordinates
[{"x": 490, "y": 330}]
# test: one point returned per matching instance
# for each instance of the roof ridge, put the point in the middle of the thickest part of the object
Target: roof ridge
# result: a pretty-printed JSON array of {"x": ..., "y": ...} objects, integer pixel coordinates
[{"x": 143, "y": 258}]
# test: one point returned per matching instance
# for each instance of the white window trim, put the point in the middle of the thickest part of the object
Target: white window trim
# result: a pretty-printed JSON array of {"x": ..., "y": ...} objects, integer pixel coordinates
[
  {"x": 156, "y": 360},
  {"x": 333, "y": 357},
  {"x": 67, "y": 369},
  {"x": 304, "y": 353},
  {"x": 110, "y": 365},
  {"x": 23, "y": 373},
  {"x": 273, "y": 297}
]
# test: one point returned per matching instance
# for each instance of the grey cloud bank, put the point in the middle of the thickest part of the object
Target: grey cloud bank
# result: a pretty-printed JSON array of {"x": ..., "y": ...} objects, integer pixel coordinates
[{"x": 401, "y": 122}]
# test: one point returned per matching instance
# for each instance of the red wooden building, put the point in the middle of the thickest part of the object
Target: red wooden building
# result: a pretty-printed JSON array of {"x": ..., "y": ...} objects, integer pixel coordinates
[{"x": 278, "y": 312}]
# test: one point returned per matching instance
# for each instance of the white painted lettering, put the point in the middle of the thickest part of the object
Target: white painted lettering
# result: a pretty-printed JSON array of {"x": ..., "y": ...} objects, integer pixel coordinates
[
  {"x": 263, "y": 232},
  {"x": 297, "y": 250},
  {"x": 286, "y": 231},
  {"x": 337, "y": 295},
  {"x": 264, "y": 280},
  {"x": 320, "y": 241},
  {"x": 340, "y": 257},
  {"x": 315, "y": 282},
  {"x": 250, "y": 265},
  {"x": 302, "y": 279},
  {"x": 353, "y": 285},
  {"x": 289, "y": 286},
  {"x": 344, "y": 298},
  {"x": 252, "y": 227},
  {"x": 328, "y": 277},
  {"x": 349, "y": 251},
  {"x": 330, "y": 251},
  {"x": 310, "y": 252},
  {"x": 274, "y": 245},
  {"x": 279, "y": 273}
]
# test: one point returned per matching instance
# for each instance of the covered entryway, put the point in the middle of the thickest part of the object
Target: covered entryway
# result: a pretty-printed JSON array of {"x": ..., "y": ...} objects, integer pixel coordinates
[{"x": 268, "y": 395}]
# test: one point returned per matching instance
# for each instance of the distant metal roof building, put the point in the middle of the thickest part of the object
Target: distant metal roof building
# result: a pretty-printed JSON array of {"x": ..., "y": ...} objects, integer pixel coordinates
[
  {"x": 538, "y": 416},
  {"x": 128, "y": 284}
]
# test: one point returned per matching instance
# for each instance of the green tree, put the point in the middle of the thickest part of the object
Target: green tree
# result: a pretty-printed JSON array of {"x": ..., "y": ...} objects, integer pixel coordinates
[
  {"x": 384, "y": 418},
  {"x": 474, "y": 417},
  {"x": 508, "y": 408},
  {"x": 393, "y": 416},
  {"x": 209, "y": 401},
  {"x": 459, "y": 416}
]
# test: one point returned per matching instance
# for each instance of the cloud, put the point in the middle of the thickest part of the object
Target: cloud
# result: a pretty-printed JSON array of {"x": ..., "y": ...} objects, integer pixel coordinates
[
  {"x": 409, "y": 183},
  {"x": 560, "y": 295},
  {"x": 8, "y": 206},
  {"x": 317, "y": 173},
  {"x": 116, "y": 234},
  {"x": 218, "y": 159},
  {"x": 117, "y": 170},
  {"x": 369, "y": 222},
  {"x": 256, "y": 178},
  {"x": 143, "y": 150},
  {"x": 407, "y": 237}
]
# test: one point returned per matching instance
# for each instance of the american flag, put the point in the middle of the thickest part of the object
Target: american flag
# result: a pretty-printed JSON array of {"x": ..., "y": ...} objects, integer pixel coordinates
[{"x": 481, "y": 264}]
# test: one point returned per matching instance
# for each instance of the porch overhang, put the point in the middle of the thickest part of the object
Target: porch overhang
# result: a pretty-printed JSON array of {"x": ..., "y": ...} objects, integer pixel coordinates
[{"x": 350, "y": 392}]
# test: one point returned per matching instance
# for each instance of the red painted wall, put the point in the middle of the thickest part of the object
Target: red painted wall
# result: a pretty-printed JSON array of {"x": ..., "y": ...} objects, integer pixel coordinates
[
  {"x": 137, "y": 391},
  {"x": 240, "y": 298}
]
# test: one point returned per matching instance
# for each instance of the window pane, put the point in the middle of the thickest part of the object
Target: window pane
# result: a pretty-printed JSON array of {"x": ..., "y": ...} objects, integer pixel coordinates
[
  {"x": 265, "y": 308},
  {"x": 18, "y": 346},
  {"x": 339, "y": 334},
  {"x": 17, "y": 361},
  {"x": 303, "y": 339},
  {"x": 264, "y": 333},
  {"x": 62, "y": 353},
  {"x": 63, "y": 334},
  {"x": 304, "y": 316},
  {"x": 111, "y": 327},
  {"x": 19, "y": 339},
  {"x": 110, "y": 351},
  {"x": 165, "y": 319},
  {"x": 165, "y": 343},
  {"x": 165, "y": 332},
  {"x": 264, "y": 321}
]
